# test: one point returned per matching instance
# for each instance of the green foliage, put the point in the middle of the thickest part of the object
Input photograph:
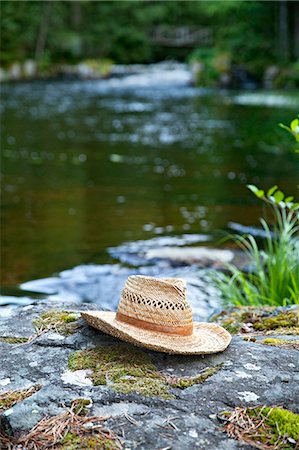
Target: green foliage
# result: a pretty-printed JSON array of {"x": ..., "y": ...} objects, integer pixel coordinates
[
  {"x": 293, "y": 129},
  {"x": 122, "y": 30},
  {"x": 213, "y": 63},
  {"x": 275, "y": 278}
]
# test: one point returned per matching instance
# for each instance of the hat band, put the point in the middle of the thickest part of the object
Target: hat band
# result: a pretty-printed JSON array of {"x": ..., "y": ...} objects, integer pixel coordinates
[{"x": 186, "y": 330}]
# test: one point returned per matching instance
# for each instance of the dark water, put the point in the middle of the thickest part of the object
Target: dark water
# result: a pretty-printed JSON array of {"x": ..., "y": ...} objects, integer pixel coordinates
[{"x": 88, "y": 165}]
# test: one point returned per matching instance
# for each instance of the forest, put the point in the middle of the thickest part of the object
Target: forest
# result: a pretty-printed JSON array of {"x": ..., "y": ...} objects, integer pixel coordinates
[{"x": 255, "y": 34}]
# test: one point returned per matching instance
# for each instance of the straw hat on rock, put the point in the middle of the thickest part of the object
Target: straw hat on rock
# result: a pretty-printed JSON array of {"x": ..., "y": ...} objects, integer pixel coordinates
[{"x": 154, "y": 313}]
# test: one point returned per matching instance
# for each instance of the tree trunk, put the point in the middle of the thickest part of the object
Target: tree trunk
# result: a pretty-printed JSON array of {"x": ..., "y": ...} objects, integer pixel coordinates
[
  {"x": 296, "y": 30},
  {"x": 43, "y": 30},
  {"x": 283, "y": 30},
  {"x": 76, "y": 15}
]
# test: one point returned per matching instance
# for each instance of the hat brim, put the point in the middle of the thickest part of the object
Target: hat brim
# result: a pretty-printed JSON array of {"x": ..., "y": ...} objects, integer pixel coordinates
[{"x": 207, "y": 338}]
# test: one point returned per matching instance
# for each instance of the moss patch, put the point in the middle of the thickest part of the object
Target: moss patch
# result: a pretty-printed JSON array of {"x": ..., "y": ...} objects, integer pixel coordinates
[
  {"x": 266, "y": 427},
  {"x": 280, "y": 343},
  {"x": 284, "y": 320},
  {"x": 126, "y": 369},
  {"x": 63, "y": 322},
  {"x": 80, "y": 405},
  {"x": 123, "y": 368},
  {"x": 10, "y": 398},
  {"x": 185, "y": 382},
  {"x": 73, "y": 441},
  {"x": 266, "y": 320},
  {"x": 13, "y": 339}
]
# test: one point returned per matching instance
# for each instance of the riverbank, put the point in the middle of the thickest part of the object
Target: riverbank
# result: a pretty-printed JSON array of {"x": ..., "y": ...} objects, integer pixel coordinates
[
  {"x": 202, "y": 72},
  {"x": 169, "y": 413}
]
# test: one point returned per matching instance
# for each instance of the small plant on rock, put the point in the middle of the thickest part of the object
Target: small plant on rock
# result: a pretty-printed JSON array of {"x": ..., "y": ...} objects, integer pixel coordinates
[{"x": 274, "y": 279}]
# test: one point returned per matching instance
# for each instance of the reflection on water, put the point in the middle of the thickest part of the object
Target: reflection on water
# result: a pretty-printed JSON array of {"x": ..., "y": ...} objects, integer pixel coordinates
[{"x": 88, "y": 165}]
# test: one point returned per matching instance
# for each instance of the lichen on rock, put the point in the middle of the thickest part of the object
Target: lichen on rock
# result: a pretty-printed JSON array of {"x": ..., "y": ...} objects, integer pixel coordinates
[{"x": 63, "y": 322}]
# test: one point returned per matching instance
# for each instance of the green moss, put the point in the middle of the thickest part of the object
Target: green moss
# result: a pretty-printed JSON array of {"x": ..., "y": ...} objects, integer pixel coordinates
[
  {"x": 10, "y": 398},
  {"x": 258, "y": 319},
  {"x": 280, "y": 343},
  {"x": 249, "y": 339},
  {"x": 73, "y": 441},
  {"x": 185, "y": 382},
  {"x": 124, "y": 368},
  {"x": 64, "y": 322},
  {"x": 127, "y": 369},
  {"x": 79, "y": 406},
  {"x": 284, "y": 320},
  {"x": 280, "y": 425},
  {"x": 270, "y": 428},
  {"x": 13, "y": 339}
]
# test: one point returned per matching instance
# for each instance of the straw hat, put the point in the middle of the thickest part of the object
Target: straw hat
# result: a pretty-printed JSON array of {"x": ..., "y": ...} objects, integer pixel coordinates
[{"x": 154, "y": 313}]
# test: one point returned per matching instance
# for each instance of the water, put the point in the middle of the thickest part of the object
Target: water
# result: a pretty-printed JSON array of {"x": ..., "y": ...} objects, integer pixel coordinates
[{"x": 92, "y": 164}]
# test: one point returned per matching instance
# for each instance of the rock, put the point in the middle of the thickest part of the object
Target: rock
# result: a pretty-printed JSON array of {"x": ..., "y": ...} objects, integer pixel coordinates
[
  {"x": 204, "y": 256},
  {"x": 15, "y": 71},
  {"x": 29, "y": 68},
  {"x": 174, "y": 251},
  {"x": 252, "y": 374}
]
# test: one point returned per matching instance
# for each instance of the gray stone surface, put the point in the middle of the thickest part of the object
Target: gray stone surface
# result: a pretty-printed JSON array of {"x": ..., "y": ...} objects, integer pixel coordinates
[{"x": 252, "y": 374}]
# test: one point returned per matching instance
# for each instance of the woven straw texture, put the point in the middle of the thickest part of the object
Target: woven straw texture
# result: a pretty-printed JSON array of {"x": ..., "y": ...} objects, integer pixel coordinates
[
  {"x": 156, "y": 300},
  {"x": 161, "y": 302}
]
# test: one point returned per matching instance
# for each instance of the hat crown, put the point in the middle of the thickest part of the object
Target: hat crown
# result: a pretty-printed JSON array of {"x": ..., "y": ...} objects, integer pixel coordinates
[{"x": 157, "y": 301}]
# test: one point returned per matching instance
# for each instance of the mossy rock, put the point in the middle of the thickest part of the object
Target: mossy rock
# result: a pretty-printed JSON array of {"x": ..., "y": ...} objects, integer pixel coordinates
[
  {"x": 283, "y": 343},
  {"x": 264, "y": 320},
  {"x": 10, "y": 398},
  {"x": 13, "y": 339},
  {"x": 73, "y": 441},
  {"x": 126, "y": 369},
  {"x": 80, "y": 406},
  {"x": 271, "y": 428},
  {"x": 63, "y": 322}
]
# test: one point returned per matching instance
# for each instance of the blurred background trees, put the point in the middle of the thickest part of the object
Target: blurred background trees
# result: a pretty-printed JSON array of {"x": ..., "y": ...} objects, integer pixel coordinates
[{"x": 254, "y": 33}]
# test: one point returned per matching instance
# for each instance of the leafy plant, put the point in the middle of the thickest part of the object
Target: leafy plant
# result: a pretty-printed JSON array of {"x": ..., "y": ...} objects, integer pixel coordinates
[{"x": 275, "y": 277}]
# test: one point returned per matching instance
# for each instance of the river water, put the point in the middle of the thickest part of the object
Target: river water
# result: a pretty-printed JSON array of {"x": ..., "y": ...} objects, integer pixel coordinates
[{"x": 88, "y": 165}]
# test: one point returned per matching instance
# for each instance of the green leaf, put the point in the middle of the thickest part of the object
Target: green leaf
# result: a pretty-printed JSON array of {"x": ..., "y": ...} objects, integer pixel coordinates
[
  {"x": 252, "y": 188},
  {"x": 294, "y": 125},
  {"x": 258, "y": 192},
  {"x": 284, "y": 127},
  {"x": 278, "y": 196},
  {"x": 271, "y": 190},
  {"x": 288, "y": 199}
]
